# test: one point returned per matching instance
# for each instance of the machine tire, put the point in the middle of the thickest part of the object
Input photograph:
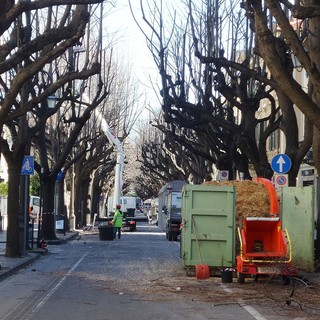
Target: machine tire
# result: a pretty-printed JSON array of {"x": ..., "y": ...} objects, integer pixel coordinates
[
  {"x": 175, "y": 237},
  {"x": 170, "y": 236},
  {"x": 286, "y": 280},
  {"x": 241, "y": 277}
]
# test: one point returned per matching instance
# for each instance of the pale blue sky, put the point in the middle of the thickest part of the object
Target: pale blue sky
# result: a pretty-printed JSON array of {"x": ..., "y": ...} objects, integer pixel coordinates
[{"x": 130, "y": 42}]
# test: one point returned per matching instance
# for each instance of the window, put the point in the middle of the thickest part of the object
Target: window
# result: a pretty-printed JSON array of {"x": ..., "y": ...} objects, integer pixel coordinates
[{"x": 274, "y": 140}]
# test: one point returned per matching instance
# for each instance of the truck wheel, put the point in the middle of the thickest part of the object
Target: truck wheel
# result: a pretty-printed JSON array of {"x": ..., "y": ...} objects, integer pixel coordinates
[
  {"x": 175, "y": 237},
  {"x": 241, "y": 277},
  {"x": 170, "y": 236}
]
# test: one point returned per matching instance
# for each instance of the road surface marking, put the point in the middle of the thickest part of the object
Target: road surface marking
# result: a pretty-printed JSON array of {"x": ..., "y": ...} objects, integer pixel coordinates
[
  {"x": 254, "y": 313},
  {"x": 248, "y": 308},
  {"x": 54, "y": 289}
]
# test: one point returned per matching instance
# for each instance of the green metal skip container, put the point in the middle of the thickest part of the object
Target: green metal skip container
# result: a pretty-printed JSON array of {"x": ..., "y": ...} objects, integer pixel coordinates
[{"x": 208, "y": 226}]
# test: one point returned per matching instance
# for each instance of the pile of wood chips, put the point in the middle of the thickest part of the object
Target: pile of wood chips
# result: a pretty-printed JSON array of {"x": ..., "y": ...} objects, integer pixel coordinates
[{"x": 252, "y": 199}]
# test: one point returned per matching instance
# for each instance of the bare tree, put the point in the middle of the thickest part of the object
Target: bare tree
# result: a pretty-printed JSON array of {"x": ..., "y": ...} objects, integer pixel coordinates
[
  {"x": 242, "y": 78},
  {"x": 24, "y": 55},
  {"x": 216, "y": 99},
  {"x": 121, "y": 110},
  {"x": 295, "y": 27},
  {"x": 258, "y": 67}
]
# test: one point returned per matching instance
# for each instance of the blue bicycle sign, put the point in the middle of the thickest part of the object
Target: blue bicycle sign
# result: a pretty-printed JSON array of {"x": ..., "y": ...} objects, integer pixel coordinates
[{"x": 27, "y": 165}]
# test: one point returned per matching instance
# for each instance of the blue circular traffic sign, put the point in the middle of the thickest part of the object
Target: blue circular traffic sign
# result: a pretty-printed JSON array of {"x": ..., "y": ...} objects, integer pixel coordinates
[
  {"x": 224, "y": 174},
  {"x": 60, "y": 176},
  {"x": 281, "y": 163}
]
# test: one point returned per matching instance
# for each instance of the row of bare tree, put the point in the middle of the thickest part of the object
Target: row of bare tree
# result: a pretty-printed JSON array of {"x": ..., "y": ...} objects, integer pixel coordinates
[
  {"x": 217, "y": 78},
  {"x": 229, "y": 84},
  {"x": 228, "y": 87},
  {"x": 55, "y": 49}
]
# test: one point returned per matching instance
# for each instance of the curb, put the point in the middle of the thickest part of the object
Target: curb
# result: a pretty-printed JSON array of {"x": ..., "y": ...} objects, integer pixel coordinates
[
  {"x": 63, "y": 240},
  {"x": 41, "y": 251},
  {"x": 32, "y": 255},
  {"x": 5, "y": 273}
]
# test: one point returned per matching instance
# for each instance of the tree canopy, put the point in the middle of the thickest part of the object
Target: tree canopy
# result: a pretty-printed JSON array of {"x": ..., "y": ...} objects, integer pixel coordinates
[{"x": 221, "y": 101}]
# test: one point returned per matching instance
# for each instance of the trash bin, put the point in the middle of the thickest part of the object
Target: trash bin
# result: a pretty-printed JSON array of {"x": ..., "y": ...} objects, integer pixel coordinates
[
  {"x": 105, "y": 232},
  {"x": 226, "y": 276}
]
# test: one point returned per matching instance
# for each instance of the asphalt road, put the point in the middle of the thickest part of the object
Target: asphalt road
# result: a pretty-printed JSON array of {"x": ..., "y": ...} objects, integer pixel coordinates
[{"x": 139, "y": 277}]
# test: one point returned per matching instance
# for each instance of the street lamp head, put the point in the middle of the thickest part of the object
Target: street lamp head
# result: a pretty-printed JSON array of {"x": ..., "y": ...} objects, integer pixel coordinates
[{"x": 51, "y": 100}]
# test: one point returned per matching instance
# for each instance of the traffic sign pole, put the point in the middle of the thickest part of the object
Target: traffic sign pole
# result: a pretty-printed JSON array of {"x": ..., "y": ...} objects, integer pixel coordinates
[{"x": 26, "y": 170}]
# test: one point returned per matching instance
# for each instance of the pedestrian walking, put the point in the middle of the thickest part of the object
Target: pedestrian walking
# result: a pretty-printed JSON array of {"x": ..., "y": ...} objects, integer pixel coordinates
[
  {"x": 29, "y": 234},
  {"x": 117, "y": 222}
]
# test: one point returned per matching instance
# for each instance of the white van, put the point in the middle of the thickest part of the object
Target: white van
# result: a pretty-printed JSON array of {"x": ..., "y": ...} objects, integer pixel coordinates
[{"x": 35, "y": 203}]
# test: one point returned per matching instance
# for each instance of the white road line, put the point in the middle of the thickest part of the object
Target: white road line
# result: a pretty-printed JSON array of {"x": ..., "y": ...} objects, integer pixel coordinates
[
  {"x": 254, "y": 313},
  {"x": 250, "y": 309},
  {"x": 53, "y": 290}
]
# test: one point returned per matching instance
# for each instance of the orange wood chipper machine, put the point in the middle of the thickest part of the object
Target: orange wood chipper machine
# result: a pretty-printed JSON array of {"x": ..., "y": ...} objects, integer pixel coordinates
[{"x": 265, "y": 248}]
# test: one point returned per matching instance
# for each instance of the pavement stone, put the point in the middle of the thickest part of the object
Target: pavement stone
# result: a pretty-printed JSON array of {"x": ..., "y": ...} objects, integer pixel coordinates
[{"x": 9, "y": 266}]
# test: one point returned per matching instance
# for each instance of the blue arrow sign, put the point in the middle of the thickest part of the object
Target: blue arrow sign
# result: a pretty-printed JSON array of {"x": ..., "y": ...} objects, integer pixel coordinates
[
  {"x": 281, "y": 163},
  {"x": 27, "y": 165}
]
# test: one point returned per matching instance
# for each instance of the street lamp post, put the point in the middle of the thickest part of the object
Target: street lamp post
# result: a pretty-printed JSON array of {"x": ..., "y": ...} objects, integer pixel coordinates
[
  {"x": 72, "y": 216},
  {"x": 51, "y": 103},
  {"x": 51, "y": 100},
  {"x": 40, "y": 209}
]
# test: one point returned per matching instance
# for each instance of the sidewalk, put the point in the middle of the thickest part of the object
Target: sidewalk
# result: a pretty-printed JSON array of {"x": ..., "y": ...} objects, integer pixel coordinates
[{"x": 9, "y": 266}]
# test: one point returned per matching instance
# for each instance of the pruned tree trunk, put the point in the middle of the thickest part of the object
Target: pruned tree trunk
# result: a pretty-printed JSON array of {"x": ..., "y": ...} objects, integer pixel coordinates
[
  {"x": 15, "y": 217},
  {"x": 48, "y": 218}
]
